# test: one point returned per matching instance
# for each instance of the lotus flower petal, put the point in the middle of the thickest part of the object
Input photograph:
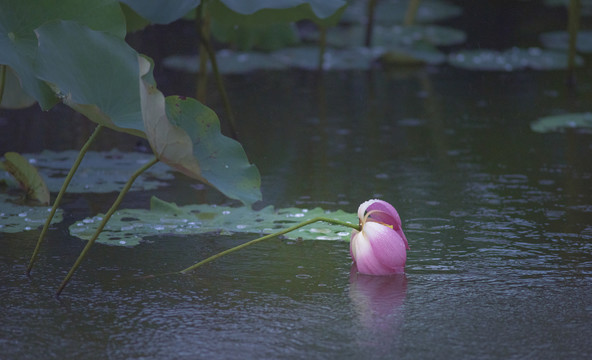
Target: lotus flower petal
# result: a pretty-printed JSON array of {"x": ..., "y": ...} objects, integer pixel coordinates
[
  {"x": 380, "y": 247},
  {"x": 383, "y": 212}
]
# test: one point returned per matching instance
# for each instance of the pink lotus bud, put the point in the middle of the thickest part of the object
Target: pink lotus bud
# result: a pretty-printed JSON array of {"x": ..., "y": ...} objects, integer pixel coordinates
[{"x": 380, "y": 248}]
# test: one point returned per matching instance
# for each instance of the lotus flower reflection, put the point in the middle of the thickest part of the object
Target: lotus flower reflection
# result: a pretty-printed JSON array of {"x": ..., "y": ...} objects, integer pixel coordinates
[{"x": 380, "y": 248}]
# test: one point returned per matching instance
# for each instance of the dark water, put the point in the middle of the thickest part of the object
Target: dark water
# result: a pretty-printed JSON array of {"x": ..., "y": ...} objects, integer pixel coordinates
[{"x": 499, "y": 220}]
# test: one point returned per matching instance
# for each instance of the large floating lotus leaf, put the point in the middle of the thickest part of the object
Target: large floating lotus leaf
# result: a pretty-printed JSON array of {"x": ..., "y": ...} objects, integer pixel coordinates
[
  {"x": 96, "y": 73},
  {"x": 510, "y": 60},
  {"x": 162, "y": 11},
  {"x": 16, "y": 218},
  {"x": 27, "y": 176},
  {"x": 559, "y": 40},
  {"x": 258, "y": 12},
  {"x": 307, "y": 57},
  {"x": 561, "y": 122},
  {"x": 100, "y": 172},
  {"x": 127, "y": 227},
  {"x": 14, "y": 96},
  {"x": 414, "y": 55},
  {"x": 18, "y": 43},
  {"x": 394, "y": 36},
  {"x": 393, "y": 12},
  {"x": 185, "y": 134}
]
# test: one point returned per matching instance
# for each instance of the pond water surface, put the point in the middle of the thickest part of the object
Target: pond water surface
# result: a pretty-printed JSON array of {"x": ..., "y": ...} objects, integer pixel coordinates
[{"x": 498, "y": 217}]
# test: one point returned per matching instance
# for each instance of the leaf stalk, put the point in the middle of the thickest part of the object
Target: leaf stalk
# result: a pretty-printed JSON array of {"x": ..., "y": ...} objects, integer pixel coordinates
[
  {"x": 61, "y": 193},
  {"x": 270, "y": 236},
  {"x": 106, "y": 218}
]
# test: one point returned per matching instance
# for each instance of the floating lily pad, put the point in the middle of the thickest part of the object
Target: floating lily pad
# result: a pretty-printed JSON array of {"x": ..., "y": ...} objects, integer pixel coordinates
[
  {"x": 16, "y": 218},
  {"x": 396, "y": 36},
  {"x": 511, "y": 60},
  {"x": 127, "y": 227},
  {"x": 560, "y": 122},
  {"x": 100, "y": 172},
  {"x": 307, "y": 57},
  {"x": 559, "y": 40},
  {"x": 393, "y": 12},
  {"x": 586, "y": 5}
]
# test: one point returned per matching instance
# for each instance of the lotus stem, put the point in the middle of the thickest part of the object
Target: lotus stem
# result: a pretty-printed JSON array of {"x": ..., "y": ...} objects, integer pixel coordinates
[
  {"x": 202, "y": 24},
  {"x": 369, "y": 22},
  {"x": 411, "y": 12},
  {"x": 2, "y": 81},
  {"x": 572, "y": 27},
  {"x": 106, "y": 218},
  {"x": 58, "y": 199},
  {"x": 322, "y": 47},
  {"x": 212, "y": 56},
  {"x": 270, "y": 236}
]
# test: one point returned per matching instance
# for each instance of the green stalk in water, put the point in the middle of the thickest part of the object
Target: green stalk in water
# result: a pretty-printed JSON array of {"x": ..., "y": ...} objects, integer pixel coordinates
[
  {"x": 572, "y": 27},
  {"x": 411, "y": 12},
  {"x": 106, "y": 218},
  {"x": 58, "y": 199},
  {"x": 2, "y": 80},
  {"x": 266, "y": 237},
  {"x": 205, "y": 44}
]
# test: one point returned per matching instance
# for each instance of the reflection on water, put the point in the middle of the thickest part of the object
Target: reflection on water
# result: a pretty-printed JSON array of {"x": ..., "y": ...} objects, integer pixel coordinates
[{"x": 378, "y": 303}]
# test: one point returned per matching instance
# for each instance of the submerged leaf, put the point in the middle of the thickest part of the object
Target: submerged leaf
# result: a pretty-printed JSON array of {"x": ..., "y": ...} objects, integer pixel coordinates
[
  {"x": 129, "y": 226},
  {"x": 27, "y": 176},
  {"x": 16, "y": 218},
  {"x": 560, "y": 122}
]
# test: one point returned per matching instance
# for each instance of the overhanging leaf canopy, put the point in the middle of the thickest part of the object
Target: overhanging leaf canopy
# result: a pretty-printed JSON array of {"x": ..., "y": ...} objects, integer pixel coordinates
[{"x": 18, "y": 42}]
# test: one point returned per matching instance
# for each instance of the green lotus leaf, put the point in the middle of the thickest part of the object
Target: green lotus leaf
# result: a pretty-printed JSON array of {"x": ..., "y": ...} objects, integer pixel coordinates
[
  {"x": 559, "y": 40},
  {"x": 586, "y": 5},
  {"x": 128, "y": 227},
  {"x": 561, "y": 122},
  {"x": 510, "y": 60},
  {"x": 259, "y": 12},
  {"x": 222, "y": 160},
  {"x": 95, "y": 72},
  {"x": 185, "y": 134},
  {"x": 393, "y": 36},
  {"x": 27, "y": 176},
  {"x": 162, "y": 11},
  {"x": 18, "y": 43},
  {"x": 14, "y": 97},
  {"x": 17, "y": 218}
]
